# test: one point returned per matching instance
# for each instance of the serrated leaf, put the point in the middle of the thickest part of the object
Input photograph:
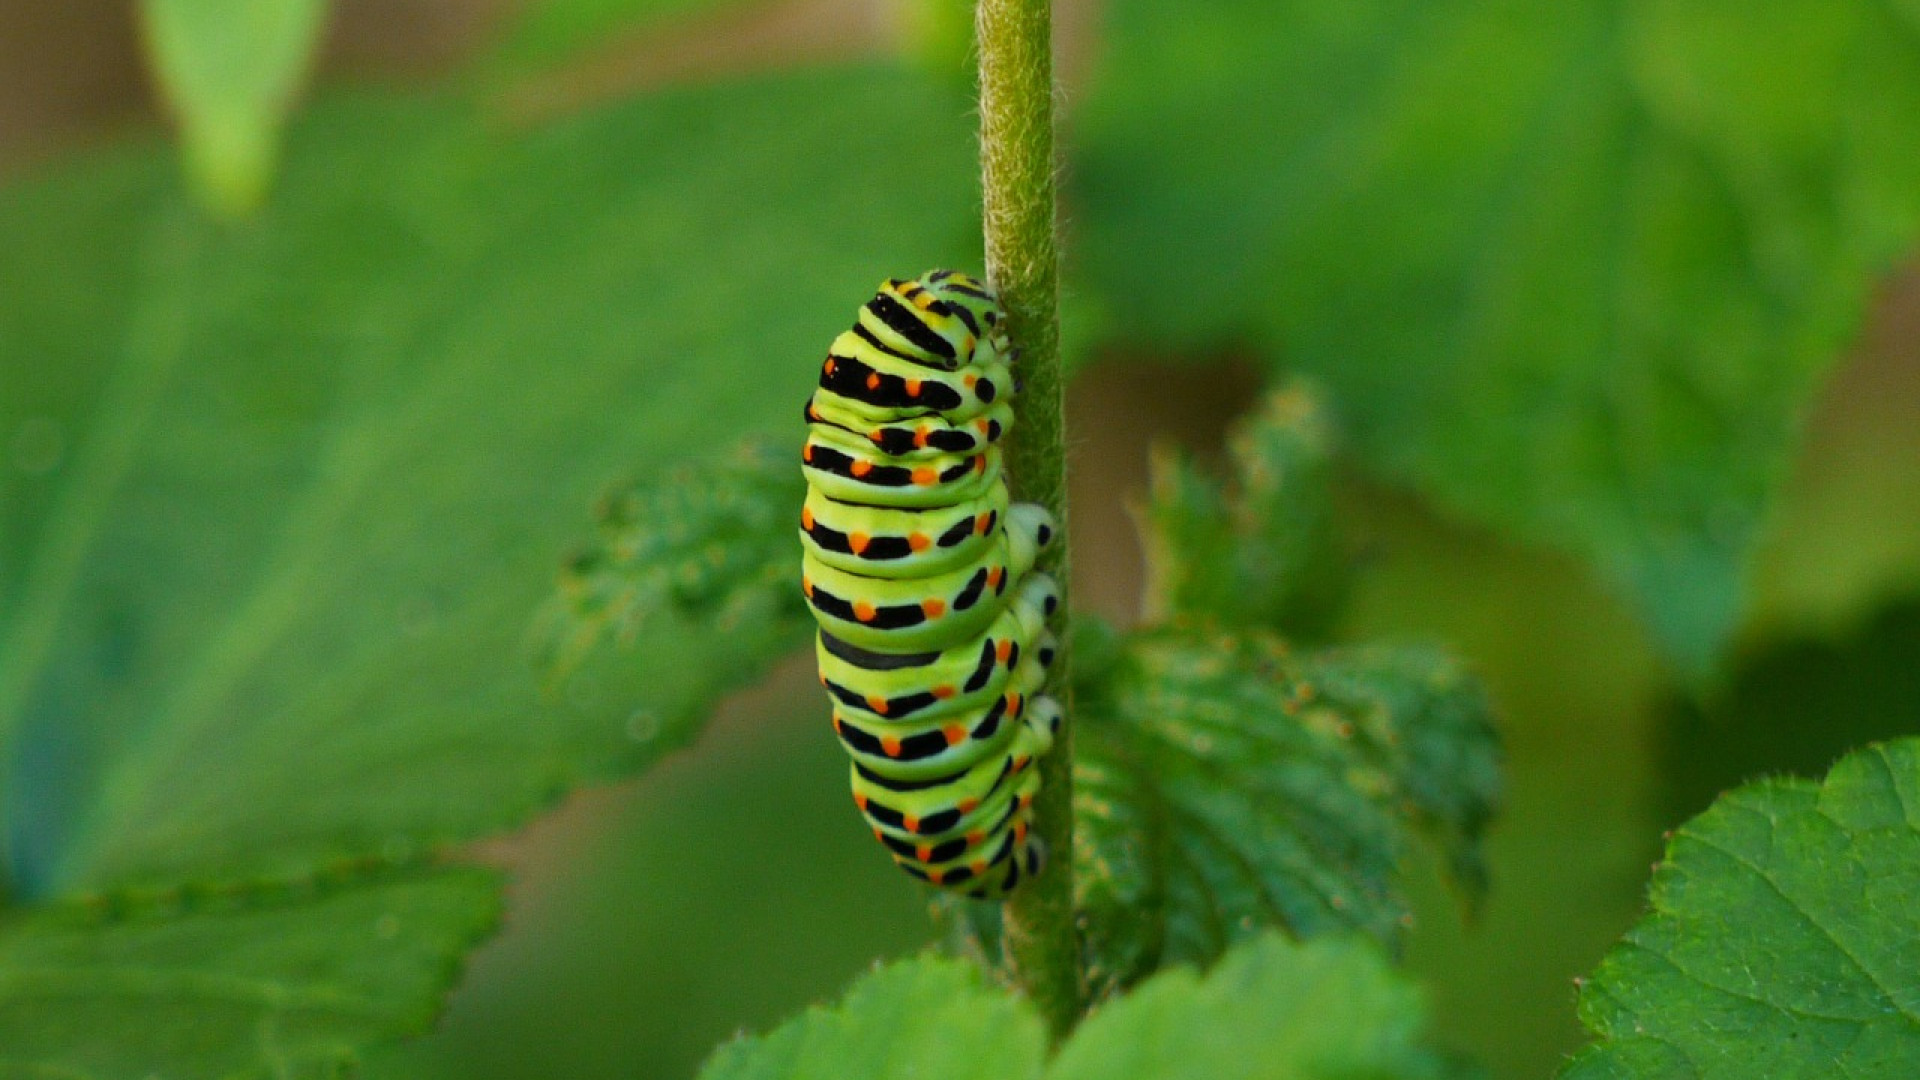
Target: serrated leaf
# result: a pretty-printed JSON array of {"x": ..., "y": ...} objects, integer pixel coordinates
[
  {"x": 243, "y": 985},
  {"x": 929, "y": 1018},
  {"x": 1271, "y": 1008},
  {"x": 1428, "y": 723},
  {"x": 1220, "y": 790},
  {"x": 1574, "y": 268},
  {"x": 230, "y": 70},
  {"x": 709, "y": 545},
  {"x": 1325, "y": 1010},
  {"x": 268, "y": 607},
  {"x": 1784, "y": 939},
  {"x": 1261, "y": 549}
]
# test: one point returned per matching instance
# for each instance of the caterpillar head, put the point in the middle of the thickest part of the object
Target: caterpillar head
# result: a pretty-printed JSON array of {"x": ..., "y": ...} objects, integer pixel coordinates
[
  {"x": 942, "y": 319},
  {"x": 968, "y": 301}
]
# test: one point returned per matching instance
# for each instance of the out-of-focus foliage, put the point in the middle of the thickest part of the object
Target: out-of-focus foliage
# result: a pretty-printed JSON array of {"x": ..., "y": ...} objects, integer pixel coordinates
[
  {"x": 230, "y": 71},
  {"x": 928, "y": 1018},
  {"x": 939, "y": 34},
  {"x": 1845, "y": 540},
  {"x": 731, "y": 889},
  {"x": 1794, "y": 706},
  {"x": 282, "y": 984},
  {"x": 311, "y": 564},
  {"x": 548, "y": 33},
  {"x": 297, "y": 489},
  {"x": 1574, "y": 268},
  {"x": 1261, "y": 550},
  {"x": 1320, "y": 1011},
  {"x": 1784, "y": 939},
  {"x": 1573, "y": 675},
  {"x": 1220, "y": 790},
  {"x": 710, "y": 543}
]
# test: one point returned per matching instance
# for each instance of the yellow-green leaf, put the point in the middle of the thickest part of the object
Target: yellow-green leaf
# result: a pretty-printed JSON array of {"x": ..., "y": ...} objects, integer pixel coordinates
[
  {"x": 230, "y": 71},
  {"x": 928, "y": 1018},
  {"x": 1270, "y": 1010}
]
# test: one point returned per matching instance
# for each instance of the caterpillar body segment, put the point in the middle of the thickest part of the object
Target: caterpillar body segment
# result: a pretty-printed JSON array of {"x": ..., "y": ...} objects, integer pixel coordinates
[
  {"x": 897, "y": 541},
  {"x": 902, "y": 687},
  {"x": 920, "y": 751},
  {"x": 861, "y": 384},
  {"x": 856, "y": 472},
  {"x": 924, "y": 436},
  {"x": 933, "y": 642},
  {"x": 961, "y": 832},
  {"x": 920, "y": 614}
]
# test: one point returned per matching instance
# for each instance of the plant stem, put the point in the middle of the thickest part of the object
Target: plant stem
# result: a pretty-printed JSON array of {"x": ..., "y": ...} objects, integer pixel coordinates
[{"x": 1016, "y": 155}]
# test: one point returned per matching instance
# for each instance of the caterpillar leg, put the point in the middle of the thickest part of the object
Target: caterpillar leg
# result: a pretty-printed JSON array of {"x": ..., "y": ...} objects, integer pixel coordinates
[
  {"x": 1024, "y": 856},
  {"x": 1041, "y": 724},
  {"x": 1043, "y": 720}
]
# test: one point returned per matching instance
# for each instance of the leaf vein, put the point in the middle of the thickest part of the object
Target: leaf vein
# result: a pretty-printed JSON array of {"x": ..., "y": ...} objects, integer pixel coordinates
[{"x": 1808, "y": 917}]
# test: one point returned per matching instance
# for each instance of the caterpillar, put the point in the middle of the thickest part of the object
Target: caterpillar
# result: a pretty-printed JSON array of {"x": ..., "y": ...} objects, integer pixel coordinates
[{"x": 933, "y": 641}]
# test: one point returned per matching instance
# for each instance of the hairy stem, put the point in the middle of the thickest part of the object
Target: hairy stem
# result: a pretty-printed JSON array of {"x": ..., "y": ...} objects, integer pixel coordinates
[{"x": 1016, "y": 155}]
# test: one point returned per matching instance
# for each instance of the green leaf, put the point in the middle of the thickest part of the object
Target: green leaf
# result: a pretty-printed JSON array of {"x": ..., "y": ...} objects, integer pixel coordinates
[
  {"x": 1220, "y": 789},
  {"x": 233, "y": 985},
  {"x": 1784, "y": 939},
  {"x": 230, "y": 71},
  {"x": 1428, "y": 724},
  {"x": 1573, "y": 268},
  {"x": 283, "y": 500},
  {"x": 268, "y": 608},
  {"x": 709, "y": 543},
  {"x": 1329, "y": 1009},
  {"x": 1263, "y": 551},
  {"x": 928, "y": 1018}
]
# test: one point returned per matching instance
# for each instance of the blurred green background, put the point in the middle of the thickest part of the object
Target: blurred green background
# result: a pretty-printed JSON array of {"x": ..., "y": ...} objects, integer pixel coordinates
[{"x": 1608, "y": 297}]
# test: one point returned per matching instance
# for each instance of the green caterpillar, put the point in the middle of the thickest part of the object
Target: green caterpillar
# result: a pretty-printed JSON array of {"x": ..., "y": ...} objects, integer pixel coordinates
[{"x": 933, "y": 639}]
